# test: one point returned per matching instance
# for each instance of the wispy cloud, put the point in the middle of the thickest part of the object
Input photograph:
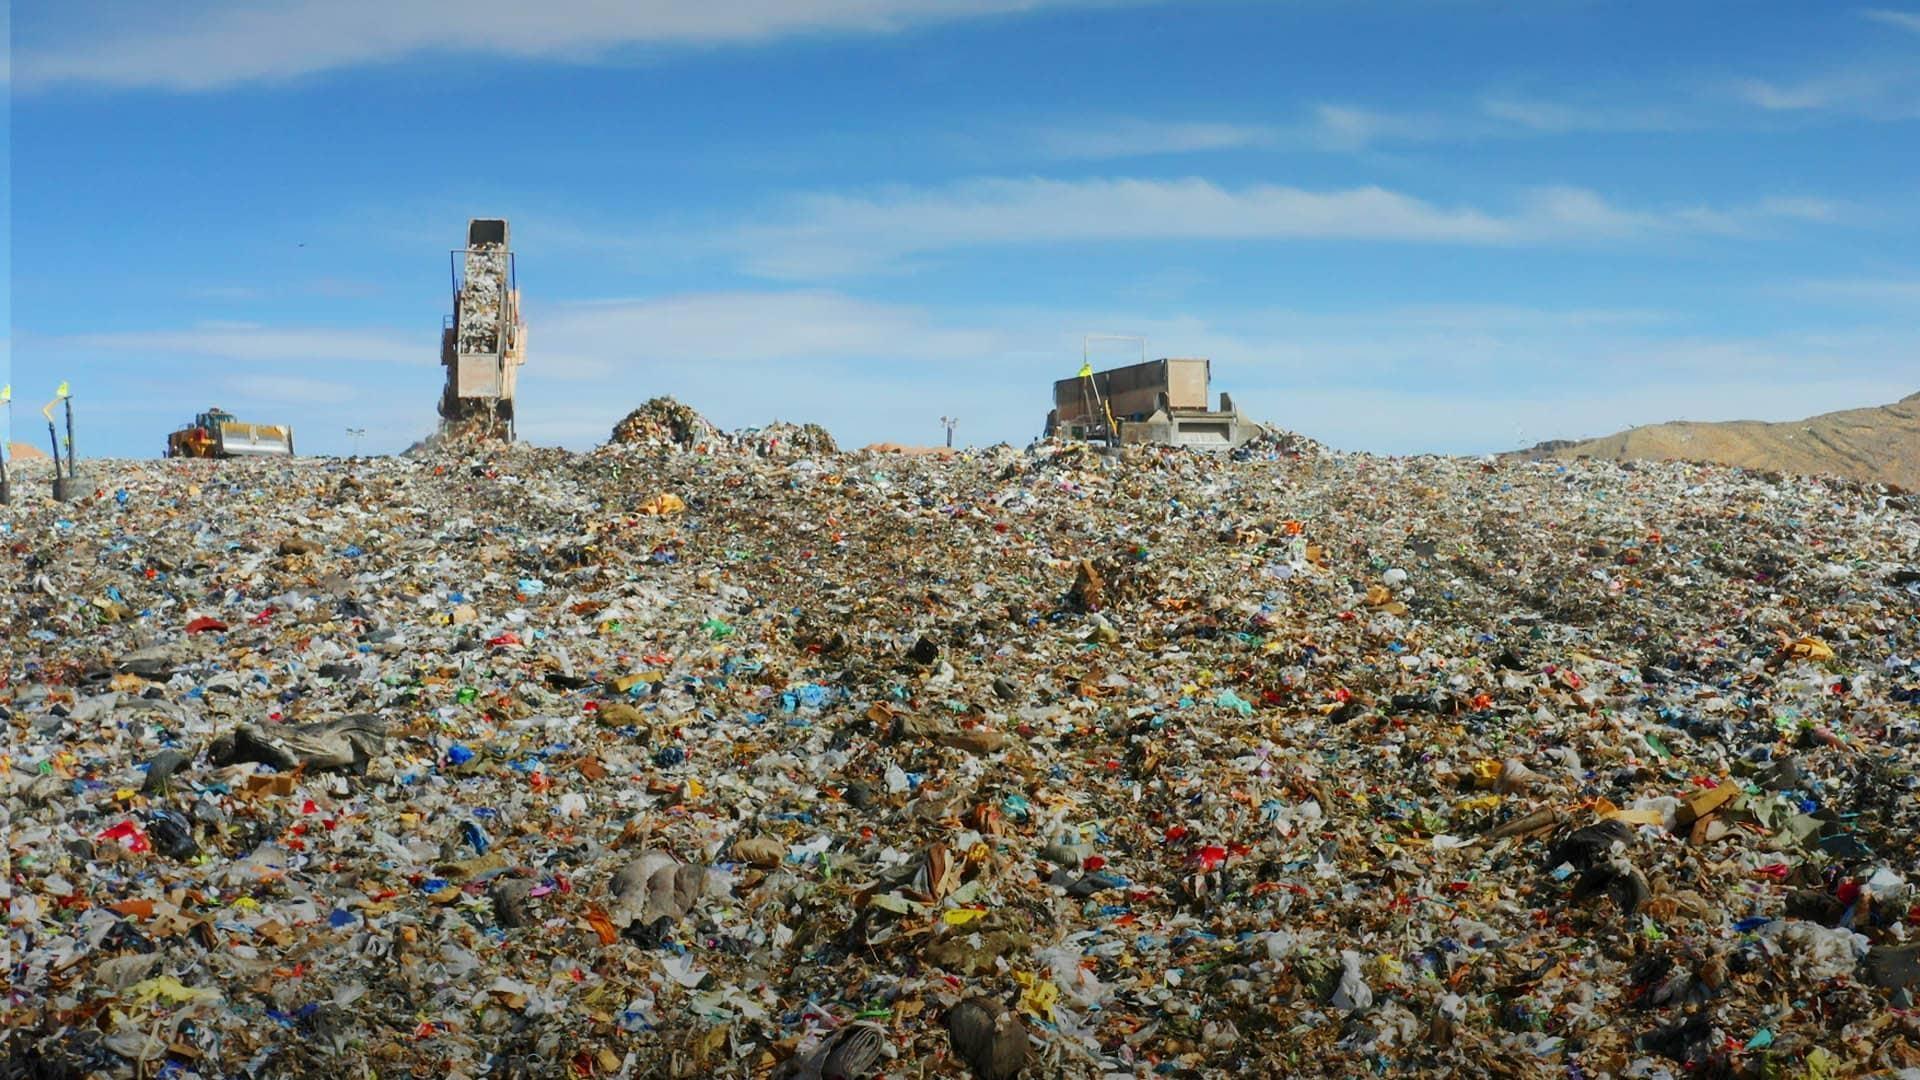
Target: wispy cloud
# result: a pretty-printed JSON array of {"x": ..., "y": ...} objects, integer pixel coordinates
[
  {"x": 1800, "y": 208},
  {"x": 1346, "y": 127},
  {"x": 209, "y": 46},
  {"x": 292, "y": 389},
  {"x": 1558, "y": 118},
  {"x": 1870, "y": 92},
  {"x": 1355, "y": 127},
  {"x": 1893, "y": 291},
  {"x": 827, "y": 235},
  {"x": 1109, "y": 139},
  {"x": 1905, "y": 20},
  {"x": 586, "y": 340},
  {"x": 252, "y": 343},
  {"x": 1790, "y": 97},
  {"x": 835, "y": 234}
]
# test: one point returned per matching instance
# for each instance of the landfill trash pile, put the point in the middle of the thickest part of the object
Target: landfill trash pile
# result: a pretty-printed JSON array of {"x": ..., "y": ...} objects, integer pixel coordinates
[
  {"x": 483, "y": 298},
  {"x": 1273, "y": 440},
  {"x": 781, "y": 439},
  {"x": 662, "y": 421},
  {"x": 1054, "y": 763}
]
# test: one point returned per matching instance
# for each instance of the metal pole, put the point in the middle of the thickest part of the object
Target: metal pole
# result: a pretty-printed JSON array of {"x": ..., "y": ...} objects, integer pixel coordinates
[
  {"x": 62, "y": 485},
  {"x": 6, "y": 448},
  {"x": 70, "y": 467}
]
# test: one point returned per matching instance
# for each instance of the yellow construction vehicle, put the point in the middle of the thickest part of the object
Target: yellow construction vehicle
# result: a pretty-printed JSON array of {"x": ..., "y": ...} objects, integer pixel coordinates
[{"x": 216, "y": 434}]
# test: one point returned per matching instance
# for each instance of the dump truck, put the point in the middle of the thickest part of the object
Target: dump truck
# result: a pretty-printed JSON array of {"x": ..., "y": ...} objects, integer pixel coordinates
[
  {"x": 483, "y": 343},
  {"x": 1159, "y": 402},
  {"x": 216, "y": 434}
]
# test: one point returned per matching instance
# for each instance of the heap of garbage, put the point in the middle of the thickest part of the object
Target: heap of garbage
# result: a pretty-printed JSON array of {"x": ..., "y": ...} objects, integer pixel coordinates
[
  {"x": 662, "y": 421},
  {"x": 782, "y": 439},
  {"x": 1042, "y": 763}
]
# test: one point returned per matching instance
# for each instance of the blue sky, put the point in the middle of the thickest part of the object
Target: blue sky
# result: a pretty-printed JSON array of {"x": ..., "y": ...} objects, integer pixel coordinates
[{"x": 1400, "y": 226}]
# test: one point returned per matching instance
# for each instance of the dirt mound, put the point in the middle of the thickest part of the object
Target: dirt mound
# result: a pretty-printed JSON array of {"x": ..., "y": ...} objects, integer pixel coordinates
[
  {"x": 24, "y": 452},
  {"x": 1872, "y": 445},
  {"x": 909, "y": 451}
]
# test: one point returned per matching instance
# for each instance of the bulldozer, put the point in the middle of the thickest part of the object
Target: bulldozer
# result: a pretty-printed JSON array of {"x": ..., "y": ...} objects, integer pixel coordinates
[
  {"x": 483, "y": 343},
  {"x": 216, "y": 434}
]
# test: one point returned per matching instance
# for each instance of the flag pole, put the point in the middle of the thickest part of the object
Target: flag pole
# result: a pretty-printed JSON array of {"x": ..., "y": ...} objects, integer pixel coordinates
[{"x": 62, "y": 485}]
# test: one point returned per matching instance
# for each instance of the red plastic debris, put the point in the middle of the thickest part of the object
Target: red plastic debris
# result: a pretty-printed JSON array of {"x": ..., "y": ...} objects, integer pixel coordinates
[{"x": 129, "y": 835}]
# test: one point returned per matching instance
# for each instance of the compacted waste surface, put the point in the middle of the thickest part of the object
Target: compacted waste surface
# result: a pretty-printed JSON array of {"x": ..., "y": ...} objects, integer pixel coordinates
[{"x": 703, "y": 755}]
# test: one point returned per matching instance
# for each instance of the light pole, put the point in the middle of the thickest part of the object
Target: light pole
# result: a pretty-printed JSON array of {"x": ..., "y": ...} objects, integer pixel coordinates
[
  {"x": 356, "y": 434},
  {"x": 950, "y": 423}
]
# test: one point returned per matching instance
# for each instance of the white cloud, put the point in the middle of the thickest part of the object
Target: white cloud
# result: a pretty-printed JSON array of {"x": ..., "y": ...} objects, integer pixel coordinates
[
  {"x": 1353, "y": 127},
  {"x": 1343, "y": 127},
  {"x": 826, "y": 235},
  {"x": 1863, "y": 91},
  {"x": 594, "y": 339},
  {"x": 1799, "y": 208},
  {"x": 1905, "y": 20},
  {"x": 252, "y": 343},
  {"x": 1555, "y": 118},
  {"x": 291, "y": 389},
  {"x": 830, "y": 234},
  {"x": 1894, "y": 291},
  {"x": 1785, "y": 98},
  {"x": 1139, "y": 138},
  {"x": 1538, "y": 115},
  {"x": 178, "y": 47}
]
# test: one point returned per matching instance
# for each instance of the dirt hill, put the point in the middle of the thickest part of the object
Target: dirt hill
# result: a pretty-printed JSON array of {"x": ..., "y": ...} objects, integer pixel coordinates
[{"x": 1880, "y": 444}]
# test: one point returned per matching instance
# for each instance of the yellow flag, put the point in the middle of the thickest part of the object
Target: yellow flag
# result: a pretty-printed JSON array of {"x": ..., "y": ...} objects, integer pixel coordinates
[
  {"x": 6, "y": 393},
  {"x": 62, "y": 392},
  {"x": 1086, "y": 371}
]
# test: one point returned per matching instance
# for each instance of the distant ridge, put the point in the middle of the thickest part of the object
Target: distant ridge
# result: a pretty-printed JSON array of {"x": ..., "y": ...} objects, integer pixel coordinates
[{"x": 1873, "y": 445}]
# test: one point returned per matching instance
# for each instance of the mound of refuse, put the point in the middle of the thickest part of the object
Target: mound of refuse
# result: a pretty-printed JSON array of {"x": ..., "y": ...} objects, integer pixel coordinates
[
  {"x": 663, "y": 421},
  {"x": 1043, "y": 763},
  {"x": 782, "y": 439},
  {"x": 1277, "y": 440}
]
